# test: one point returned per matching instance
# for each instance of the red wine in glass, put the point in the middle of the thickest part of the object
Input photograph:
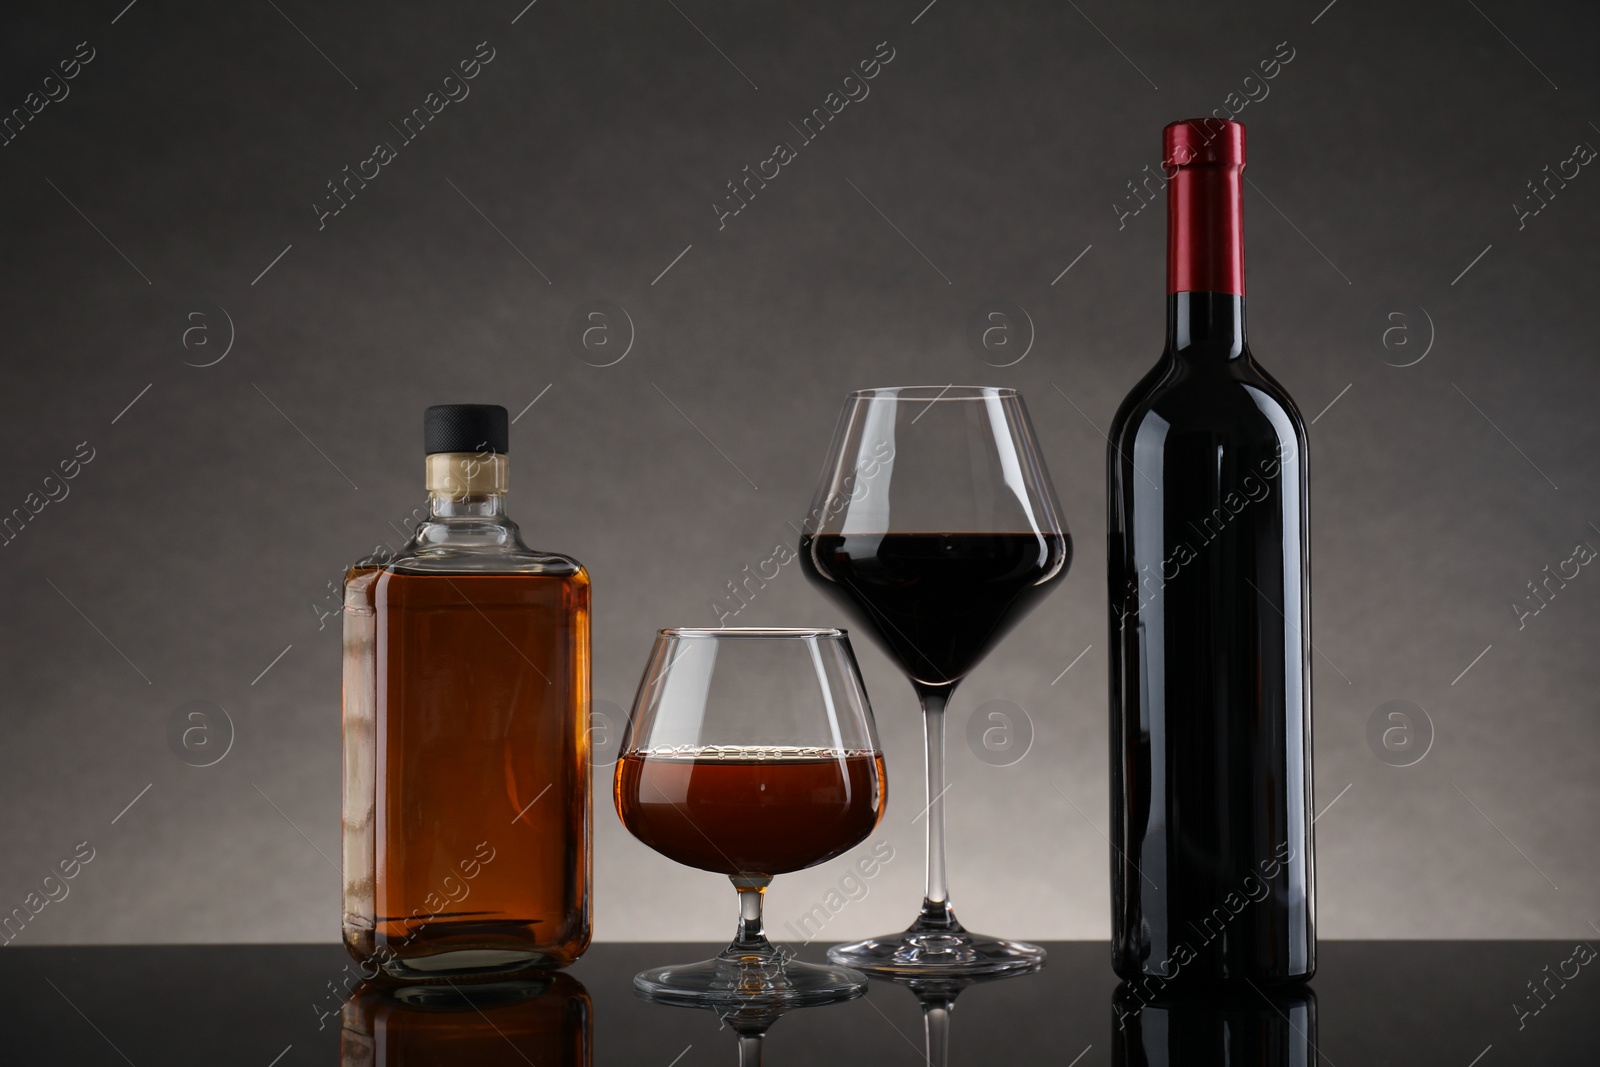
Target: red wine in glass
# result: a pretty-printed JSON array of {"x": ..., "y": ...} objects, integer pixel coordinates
[{"x": 937, "y": 602}]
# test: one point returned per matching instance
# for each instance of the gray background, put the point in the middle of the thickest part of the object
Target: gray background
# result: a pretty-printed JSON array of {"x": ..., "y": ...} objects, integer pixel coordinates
[{"x": 197, "y": 545}]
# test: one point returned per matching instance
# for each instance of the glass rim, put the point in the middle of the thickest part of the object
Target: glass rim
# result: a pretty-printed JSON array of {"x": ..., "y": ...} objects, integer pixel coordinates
[
  {"x": 771, "y": 632},
  {"x": 920, "y": 393}
]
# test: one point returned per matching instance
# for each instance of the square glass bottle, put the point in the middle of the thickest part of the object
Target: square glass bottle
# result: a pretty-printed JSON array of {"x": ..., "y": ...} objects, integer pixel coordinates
[{"x": 466, "y": 748}]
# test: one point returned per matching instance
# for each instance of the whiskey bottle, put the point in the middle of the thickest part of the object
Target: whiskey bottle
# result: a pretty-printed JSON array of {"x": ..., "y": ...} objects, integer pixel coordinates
[{"x": 466, "y": 748}]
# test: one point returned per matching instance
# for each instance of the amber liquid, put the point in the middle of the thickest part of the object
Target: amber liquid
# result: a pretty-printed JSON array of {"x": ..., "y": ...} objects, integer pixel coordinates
[
  {"x": 731, "y": 811},
  {"x": 467, "y": 772}
]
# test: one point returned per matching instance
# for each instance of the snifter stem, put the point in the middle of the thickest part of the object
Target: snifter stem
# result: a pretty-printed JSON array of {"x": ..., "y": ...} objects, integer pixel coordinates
[{"x": 751, "y": 938}]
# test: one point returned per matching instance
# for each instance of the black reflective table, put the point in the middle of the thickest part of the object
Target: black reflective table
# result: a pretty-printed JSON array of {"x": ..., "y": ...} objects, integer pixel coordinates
[{"x": 1417, "y": 1003}]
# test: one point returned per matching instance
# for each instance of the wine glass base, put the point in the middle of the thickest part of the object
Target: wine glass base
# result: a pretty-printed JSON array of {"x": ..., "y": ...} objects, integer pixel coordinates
[
  {"x": 749, "y": 981},
  {"x": 938, "y": 954}
]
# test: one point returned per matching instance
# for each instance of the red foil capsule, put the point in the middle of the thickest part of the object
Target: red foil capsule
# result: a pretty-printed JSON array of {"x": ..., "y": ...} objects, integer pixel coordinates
[{"x": 1204, "y": 161}]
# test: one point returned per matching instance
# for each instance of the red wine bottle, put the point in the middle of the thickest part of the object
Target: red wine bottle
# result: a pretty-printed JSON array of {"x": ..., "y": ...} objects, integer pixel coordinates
[{"x": 1212, "y": 870}]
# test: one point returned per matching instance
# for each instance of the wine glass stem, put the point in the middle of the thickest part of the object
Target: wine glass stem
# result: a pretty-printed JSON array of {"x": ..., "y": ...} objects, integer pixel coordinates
[
  {"x": 936, "y": 1032},
  {"x": 750, "y": 1050},
  {"x": 936, "y": 913}
]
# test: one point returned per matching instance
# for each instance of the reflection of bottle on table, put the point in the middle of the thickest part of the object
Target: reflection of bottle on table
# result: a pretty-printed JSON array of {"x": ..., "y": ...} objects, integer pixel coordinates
[
  {"x": 547, "y": 1021},
  {"x": 1228, "y": 1027}
]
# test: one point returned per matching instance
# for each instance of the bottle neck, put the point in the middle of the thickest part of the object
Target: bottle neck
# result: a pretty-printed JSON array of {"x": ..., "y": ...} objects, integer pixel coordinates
[
  {"x": 467, "y": 485},
  {"x": 1205, "y": 260},
  {"x": 480, "y": 506},
  {"x": 460, "y": 526},
  {"x": 1206, "y": 326},
  {"x": 1205, "y": 228}
]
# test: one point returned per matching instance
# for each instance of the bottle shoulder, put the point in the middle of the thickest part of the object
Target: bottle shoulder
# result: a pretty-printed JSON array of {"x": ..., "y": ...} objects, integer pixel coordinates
[
  {"x": 530, "y": 562},
  {"x": 368, "y": 572},
  {"x": 1235, "y": 399},
  {"x": 471, "y": 546}
]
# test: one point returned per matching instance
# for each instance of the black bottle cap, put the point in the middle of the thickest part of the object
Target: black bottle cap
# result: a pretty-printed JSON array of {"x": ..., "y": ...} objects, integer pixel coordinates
[{"x": 476, "y": 428}]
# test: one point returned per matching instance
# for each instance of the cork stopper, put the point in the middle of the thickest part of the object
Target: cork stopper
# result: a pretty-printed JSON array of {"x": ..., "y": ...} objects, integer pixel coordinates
[{"x": 467, "y": 474}]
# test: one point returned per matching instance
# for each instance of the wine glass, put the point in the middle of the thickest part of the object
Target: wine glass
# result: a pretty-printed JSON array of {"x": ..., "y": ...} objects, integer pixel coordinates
[
  {"x": 936, "y": 528},
  {"x": 751, "y": 753}
]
